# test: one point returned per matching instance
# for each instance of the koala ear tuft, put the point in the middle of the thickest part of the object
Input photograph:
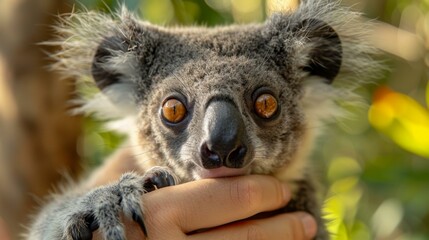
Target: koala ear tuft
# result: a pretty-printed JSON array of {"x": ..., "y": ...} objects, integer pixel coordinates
[
  {"x": 116, "y": 70},
  {"x": 103, "y": 73},
  {"x": 325, "y": 56}
]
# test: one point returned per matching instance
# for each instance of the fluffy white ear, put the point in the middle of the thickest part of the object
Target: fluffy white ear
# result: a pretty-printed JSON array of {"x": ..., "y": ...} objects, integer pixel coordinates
[
  {"x": 313, "y": 45},
  {"x": 110, "y": 50},
  {"x": 325, "y": 56},
  {"x": 116, "y": 73},
  {"x": 114, "y": 102}
]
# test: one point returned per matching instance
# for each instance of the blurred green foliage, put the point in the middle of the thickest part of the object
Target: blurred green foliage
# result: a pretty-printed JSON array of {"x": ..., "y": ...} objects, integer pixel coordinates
[{"x": 376, "y": 164}]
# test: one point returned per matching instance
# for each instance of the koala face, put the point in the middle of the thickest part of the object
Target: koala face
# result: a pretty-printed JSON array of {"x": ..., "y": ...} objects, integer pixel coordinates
[
  {"x": 234, "y": 116},
  {"x": 218, "y": 102}
]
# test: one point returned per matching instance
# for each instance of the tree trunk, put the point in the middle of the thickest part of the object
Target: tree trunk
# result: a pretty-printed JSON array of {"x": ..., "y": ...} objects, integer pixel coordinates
[{"x": 37, "y": 136}]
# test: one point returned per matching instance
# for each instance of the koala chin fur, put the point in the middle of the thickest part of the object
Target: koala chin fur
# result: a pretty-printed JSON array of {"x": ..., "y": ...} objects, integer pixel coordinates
[{"x": 309, "y": 60}]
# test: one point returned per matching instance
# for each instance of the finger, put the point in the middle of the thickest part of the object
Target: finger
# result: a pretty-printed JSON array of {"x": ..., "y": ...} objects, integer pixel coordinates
[
  {"x": 297, "y": 226},
  {"x": 4, "y": 234},
  {"x": 213, "y": 202}
]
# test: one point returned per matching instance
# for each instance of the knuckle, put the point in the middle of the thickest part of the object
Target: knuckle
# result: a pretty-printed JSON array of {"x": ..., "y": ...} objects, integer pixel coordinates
[
  {"x": 295, "y": 230},
  {"x": 256, "y": 232},
  {"x": 279, "y": 196},
  {"x": 247, "y": 193}
]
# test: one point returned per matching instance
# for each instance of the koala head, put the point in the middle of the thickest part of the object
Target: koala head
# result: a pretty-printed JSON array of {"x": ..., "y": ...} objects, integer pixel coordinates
[{"x": 213, "y": 102}]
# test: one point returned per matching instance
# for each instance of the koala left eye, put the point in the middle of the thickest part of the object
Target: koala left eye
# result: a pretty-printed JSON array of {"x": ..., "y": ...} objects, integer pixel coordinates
[
  {"x": 173, "y": 110},
  {"x": 266, "y": 105}
]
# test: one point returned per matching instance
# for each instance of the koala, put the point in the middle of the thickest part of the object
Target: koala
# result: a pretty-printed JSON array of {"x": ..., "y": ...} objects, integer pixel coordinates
[{"x": 203, "y": 102}]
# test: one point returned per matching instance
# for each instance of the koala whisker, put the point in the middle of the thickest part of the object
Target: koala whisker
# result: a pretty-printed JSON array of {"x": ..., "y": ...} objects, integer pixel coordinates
[
  {"x": 320, "y": 126},
  {"x": 118, "y": 147},
  {"x": 136, "y": 155},
  {"x": 183, "y": 83},
  {"x": 264, "y": 60}
]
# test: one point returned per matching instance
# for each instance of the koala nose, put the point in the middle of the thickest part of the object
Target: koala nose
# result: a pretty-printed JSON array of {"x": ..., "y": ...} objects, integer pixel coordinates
[
  {"x": 224, "y": 141},
  {"x": 215, "y": 156}
]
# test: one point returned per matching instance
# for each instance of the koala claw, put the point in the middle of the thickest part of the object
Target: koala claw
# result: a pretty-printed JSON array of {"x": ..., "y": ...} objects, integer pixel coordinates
[
  {"x": 101, "y": 208},
  {"x": 80, "y": 227},
  {"x": 159, "y": 177}
]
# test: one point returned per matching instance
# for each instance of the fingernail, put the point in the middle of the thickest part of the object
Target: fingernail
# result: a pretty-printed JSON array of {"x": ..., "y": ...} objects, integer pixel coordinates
[
  {"x": 310, "y": 225},
  {"x": 286, "y": 192}
]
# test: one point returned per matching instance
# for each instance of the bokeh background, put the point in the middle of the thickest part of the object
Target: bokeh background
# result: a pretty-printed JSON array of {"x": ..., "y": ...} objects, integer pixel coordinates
[{"x": 374, "y": 164}]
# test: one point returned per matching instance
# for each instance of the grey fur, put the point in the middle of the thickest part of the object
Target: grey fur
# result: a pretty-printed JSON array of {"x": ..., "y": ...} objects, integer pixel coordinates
[{"x": 138, "y": 65}]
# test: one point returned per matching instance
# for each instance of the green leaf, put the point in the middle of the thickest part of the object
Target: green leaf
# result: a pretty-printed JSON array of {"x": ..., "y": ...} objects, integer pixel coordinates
[
  {"x": 427, "y": 95},
  {"x": 401, "y": 118}
]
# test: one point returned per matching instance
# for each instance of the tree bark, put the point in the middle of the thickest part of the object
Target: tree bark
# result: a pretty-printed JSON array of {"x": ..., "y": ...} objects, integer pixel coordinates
[{"x": 37, "y": 136}]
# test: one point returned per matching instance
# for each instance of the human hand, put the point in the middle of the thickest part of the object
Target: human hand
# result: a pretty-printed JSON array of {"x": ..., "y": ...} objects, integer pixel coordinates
[
  {"x": 4, "y": 234},
  {"x": 221, "y": 206}
]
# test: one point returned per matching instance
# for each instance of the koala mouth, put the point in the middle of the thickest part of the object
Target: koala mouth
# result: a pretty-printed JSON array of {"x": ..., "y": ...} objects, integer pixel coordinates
[{"x": 222, "y": 172}]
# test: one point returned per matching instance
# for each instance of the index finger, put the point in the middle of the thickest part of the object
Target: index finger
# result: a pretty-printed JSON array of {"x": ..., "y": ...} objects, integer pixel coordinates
[
  {"x": 296, "y": 225},
  {"x": 213, "y": 202}
]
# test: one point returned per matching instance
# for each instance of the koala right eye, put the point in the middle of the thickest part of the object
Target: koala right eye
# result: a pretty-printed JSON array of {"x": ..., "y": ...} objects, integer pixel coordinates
[
  {"x": 266, "y": 106},
  {"x": 173, "y": 110}
]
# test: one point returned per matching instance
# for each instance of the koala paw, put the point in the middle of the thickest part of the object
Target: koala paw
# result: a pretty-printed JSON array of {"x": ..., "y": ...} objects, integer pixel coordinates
[{"x": 101, "y": 208}]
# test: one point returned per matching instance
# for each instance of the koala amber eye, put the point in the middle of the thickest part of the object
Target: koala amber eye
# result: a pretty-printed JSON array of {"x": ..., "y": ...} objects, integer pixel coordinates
[
  {"x": 173, "y": 110},
  {"x": 266, "y": 105}
]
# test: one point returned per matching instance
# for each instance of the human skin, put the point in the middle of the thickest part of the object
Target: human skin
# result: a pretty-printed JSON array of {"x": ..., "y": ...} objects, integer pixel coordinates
[
  {"x": 4, "y": 235},
  {"x": 221, "y": 206}
]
